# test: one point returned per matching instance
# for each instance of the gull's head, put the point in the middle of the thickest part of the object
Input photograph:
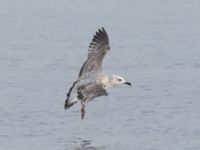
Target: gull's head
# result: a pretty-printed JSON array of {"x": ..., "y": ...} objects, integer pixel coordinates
[{"x": 118, "y": 80}]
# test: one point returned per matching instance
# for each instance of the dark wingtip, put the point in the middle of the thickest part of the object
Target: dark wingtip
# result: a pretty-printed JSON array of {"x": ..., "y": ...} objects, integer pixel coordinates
[
  {"x": 100, "y": 35},
  {"x": 68, "y": 105},
  {"x": 103, "y": 29},
  {"x": 65, "y": 107}
]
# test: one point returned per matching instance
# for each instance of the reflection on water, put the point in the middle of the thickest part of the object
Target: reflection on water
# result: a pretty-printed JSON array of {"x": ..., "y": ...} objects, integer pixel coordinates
[{"x": 82, "y": 144}]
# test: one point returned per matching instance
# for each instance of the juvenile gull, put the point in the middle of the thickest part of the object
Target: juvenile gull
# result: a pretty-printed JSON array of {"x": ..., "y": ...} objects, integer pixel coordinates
[{"x": 92, "y": 82}]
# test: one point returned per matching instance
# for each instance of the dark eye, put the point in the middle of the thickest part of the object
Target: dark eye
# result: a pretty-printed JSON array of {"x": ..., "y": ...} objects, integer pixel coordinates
[{"x": 119, "y": 79}]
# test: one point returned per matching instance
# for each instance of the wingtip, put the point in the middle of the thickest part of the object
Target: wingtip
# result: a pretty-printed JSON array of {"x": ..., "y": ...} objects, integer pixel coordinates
[
  {"x": 103, "y": 29},
  {"x": 68, "y": 104},
  {"x": 100, "y": 37}
]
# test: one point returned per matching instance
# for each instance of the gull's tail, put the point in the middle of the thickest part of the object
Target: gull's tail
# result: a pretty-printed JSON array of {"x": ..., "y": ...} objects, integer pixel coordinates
[{"x": 71, "y": 97}]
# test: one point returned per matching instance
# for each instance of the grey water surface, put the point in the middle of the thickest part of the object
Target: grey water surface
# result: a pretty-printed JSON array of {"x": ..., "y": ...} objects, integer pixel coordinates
[{"x": 154, "y": 44}]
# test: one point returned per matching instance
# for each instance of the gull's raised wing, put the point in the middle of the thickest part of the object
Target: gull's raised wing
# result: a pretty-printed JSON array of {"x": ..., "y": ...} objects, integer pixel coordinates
[{"x": 97, "y": 50}]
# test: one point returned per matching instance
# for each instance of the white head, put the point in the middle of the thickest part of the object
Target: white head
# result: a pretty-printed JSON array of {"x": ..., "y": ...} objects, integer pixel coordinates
[{"x": 117, "y": 80}]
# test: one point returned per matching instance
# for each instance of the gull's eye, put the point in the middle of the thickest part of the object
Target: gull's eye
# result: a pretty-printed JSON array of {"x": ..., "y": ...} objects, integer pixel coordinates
[{"x": 119, "y": 79}]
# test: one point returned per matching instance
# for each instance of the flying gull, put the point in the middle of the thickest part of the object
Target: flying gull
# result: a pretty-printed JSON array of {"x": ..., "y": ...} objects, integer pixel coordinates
[{"x": 92, "y": 82}]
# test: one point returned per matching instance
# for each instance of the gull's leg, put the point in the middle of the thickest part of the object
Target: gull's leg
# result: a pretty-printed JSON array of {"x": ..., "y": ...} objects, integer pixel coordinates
[{"x": 82, "y": 110}]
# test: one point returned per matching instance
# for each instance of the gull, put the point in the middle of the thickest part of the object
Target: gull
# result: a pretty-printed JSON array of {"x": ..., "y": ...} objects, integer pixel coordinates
[{"x": 92, "y": 82}]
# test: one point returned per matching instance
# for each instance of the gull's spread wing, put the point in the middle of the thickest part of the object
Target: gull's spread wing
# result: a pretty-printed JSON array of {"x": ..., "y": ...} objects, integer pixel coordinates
[{"x": 97, "y": 50}]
